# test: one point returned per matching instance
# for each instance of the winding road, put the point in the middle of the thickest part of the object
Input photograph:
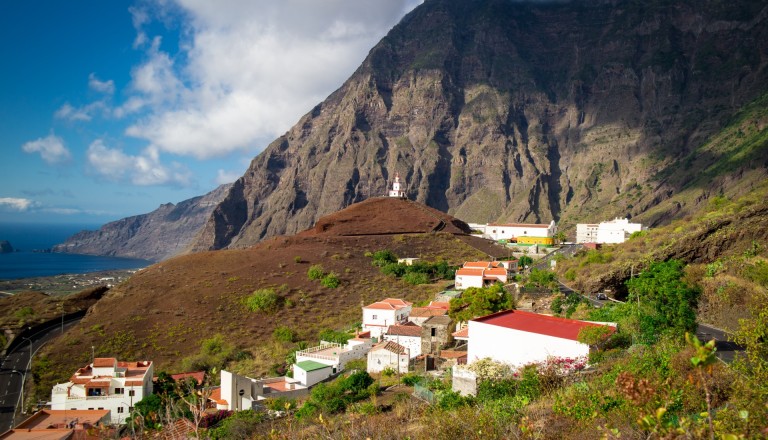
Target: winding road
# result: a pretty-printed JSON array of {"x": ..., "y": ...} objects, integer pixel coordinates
[{"x": 15, "y": 366}]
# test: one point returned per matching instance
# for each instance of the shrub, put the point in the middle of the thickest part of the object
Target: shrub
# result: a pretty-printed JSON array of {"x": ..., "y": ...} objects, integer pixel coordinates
[
  {"x": 394, "y": 269},
  {"x": 297, "y": 259},
  {"x": 263, "y": 300},
  {"x": 315, "y": 272},
  {"x": 241, "y": 424},
  {"x": 334, "y": 336},
  {"x": 383, "y": 257},
  {"x": 411, "y": 379},
  {"x": 388, "y": 372},
  {"x": 284, "y": 334},
  {"x": 416, "y": 278},
  {"x": 570, "y": 274},
  {"x": 330, "y": 281}
]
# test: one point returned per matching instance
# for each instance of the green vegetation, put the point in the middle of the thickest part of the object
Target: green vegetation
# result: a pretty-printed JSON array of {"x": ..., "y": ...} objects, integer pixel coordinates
[
  {"x": 479, "y": 301},
  {"x": 214, "y": 353},
  {"x": 542, "y": 278},
  {"x": 334, "y": 397},
  {"x": 284, "y": 334},
  {"x": 420, "y": 272},
  {"x": 315, "y": 272},
  {"x": 334, "y": 336},
  {"x": 331, "y": 280},
  {"x": 264, "y": 300},
  {"x": 24, "y": 312}
]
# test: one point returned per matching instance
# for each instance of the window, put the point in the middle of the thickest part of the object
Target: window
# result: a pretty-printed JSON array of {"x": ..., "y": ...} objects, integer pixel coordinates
[
  {"x": 434, "y": 332},
  {"x": 120, "y": 409},
  {"x": 90, "y": 409},
  {"x": 119, "y": 390},
  {"x": 131, "y": 392},
  {"x": 373, "y": 317},
  {"x": 100, "y": 408}
]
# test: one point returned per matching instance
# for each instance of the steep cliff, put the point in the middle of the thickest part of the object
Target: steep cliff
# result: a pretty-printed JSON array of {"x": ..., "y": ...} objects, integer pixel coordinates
[
  {"x": 156, "y": 236},
  {"x": 520, "y": 111}
]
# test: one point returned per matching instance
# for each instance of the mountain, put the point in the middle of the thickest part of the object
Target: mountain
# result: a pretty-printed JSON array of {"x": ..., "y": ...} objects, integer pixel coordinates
[
  {"x": 499, "y": 110},
  {"x": 156, "y": 236},
  {"x": 5, "y": 247}
]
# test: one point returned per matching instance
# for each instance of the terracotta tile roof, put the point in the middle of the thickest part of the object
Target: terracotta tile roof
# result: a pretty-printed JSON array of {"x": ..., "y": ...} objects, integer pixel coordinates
[
  {"x": 59, "y": 418},
  {"x": 470, "y": 272},
  {"x": 496, "y": 271},
  {"x": 438, "y": 320},
  {"x": 407, "y": 329},
  {"x": 216, "y": 397},
  {"x": 199, "y": 376},
  {"x": 452, "y": 354},
  {"x": 477, "y": 264},
  {"x": 426, "y": 312},
  {"x": 104, "y": 362},
  {"x": 444, "y": 305},
  {"x": 388, "y": 304},
  {"x": 133, "y": 383},
  {"x": 390, "y": 346},
  {"x": 541, "y": 324},
  {"x": 462, "y": 334}
]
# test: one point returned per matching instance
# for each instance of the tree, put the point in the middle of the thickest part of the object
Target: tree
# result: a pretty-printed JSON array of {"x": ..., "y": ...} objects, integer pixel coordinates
[
  {"x": 479, "y": 301},
  {"x": 560, "y": 237},
  {"x": 524, "y": 261},
  {"x": 665, "y": 302}
]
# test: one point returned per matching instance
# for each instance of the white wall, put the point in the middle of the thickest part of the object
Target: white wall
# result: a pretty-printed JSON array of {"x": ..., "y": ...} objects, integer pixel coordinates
[
  {"x": 309, "y": 378},
  {"x": 466, "y": 281},
  {"x": 379, "y": 360},
  {"x": 412, "y": 343},
  {"x": 517, "y": 347}
]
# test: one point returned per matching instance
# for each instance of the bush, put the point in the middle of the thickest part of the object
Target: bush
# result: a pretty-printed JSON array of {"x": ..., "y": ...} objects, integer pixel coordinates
[
  {"x": 411, "y": 379},
  {"x": 394, "y": 269},
  {"x": 284, "y": 334},
  {"x": 388, "y": 372},
  {"x": 297, "y": 259},
  {"x": 416, "y": 278},
  {"x": 570, "y": 274},
  {"x": 241, "y": 424},
  {"x": 330, "y": 281},
  {"x": 334, "y": 336},
  {"x": 263, "y": 300},
  {"x": 316, "y": 272}
]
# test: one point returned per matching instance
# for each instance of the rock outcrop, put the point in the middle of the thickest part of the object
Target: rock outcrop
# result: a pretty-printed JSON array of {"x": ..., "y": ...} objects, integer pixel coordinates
[
  {"x": 5, "y": 247},
  {"x": 518, "y": 111},
  {"x": 161, "y": 234}
]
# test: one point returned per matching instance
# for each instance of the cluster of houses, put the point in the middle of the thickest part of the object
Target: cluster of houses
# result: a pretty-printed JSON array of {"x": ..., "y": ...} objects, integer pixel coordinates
[{"x": 615, "y": 231}]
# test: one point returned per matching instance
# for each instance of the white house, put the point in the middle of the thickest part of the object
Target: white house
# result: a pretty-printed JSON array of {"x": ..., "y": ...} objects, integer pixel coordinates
[
  {"x": 518, "y": 338},
  {"x": 481, "y": 273},
  {"x": 309, "y": 372},
  {"x": 617, "y": 230},
  {"x": 377, "y": 317},
  {"x": 105, "y": 384},
  {"x": 238, "y": 393},
  {"x": 530, "y": 233},
  {"x": 335, "y": 356},
  {"x": 397, "y": 190},
  {"x": 388, "y": 354},
  {"x": 408, "y": 335}
]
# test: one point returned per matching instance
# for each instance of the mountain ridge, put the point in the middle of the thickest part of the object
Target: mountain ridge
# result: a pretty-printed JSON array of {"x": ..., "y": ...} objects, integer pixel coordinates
[{"x": 493, "y": 110}]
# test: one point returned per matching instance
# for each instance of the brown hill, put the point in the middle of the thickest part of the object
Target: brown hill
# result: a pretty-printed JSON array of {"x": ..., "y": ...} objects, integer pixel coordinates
[
  {"x": 386, "y": 215},
  {"x": 164, "y": 311}
]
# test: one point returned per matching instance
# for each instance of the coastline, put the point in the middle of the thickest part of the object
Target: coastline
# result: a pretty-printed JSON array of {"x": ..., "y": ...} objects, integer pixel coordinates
[{"x": 65, "y": 284}]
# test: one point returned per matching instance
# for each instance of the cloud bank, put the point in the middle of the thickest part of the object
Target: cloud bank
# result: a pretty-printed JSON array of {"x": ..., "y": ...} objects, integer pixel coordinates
[
  {"x": 51, "y": 149},
  {"x": 145, "y": 169}
]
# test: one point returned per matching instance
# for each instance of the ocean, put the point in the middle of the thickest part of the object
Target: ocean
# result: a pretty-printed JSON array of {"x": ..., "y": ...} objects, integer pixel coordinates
[{"x": 30, "y": 237}]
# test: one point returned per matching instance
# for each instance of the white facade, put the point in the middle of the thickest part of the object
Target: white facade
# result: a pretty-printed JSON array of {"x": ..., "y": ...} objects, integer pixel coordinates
[
  {"x": 499, "y": 231},
  {"x": 105, "y": 384},
  {"x": 397, "y": 190},
  {"x": 408, "y": 336},
  {"x": 388, "y": 355},
  {"x": 377, "y": 317},
  {"x": 615, "y": 231},
  {"x": 309, "y": 373},
  {"x": 335, "y": 355},
  {"x": 516, "y": 347},
  {"x": 238, "y": 393}
]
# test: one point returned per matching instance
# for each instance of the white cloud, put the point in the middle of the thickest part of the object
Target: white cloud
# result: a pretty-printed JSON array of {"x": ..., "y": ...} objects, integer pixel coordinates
[
  {"x": 17, "y": 204},
  {"x": 51, "y": 149},
  {"x": 107, "y": 87},
  {"x": 227, "y": 176},
  {"x": 143, "y": 169},
  {"x": 249, "y": 70}
]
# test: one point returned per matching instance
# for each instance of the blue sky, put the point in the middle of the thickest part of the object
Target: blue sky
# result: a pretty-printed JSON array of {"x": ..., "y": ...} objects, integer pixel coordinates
[{"x": 110, "y": 108}]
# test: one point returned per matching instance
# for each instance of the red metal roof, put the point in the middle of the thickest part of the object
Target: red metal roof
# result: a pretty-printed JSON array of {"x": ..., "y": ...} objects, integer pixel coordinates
[{"x": 534, "y": 323}]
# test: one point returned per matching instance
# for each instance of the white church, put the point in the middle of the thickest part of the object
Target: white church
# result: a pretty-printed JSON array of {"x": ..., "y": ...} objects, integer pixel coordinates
[{"x": 397, "y": 190}]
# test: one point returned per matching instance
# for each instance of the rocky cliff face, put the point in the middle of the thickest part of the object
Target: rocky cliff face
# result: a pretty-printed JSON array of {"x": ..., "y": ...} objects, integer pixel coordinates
[
  {"x": 518, "y": 111},
  {"x": 156, "y": 236}
]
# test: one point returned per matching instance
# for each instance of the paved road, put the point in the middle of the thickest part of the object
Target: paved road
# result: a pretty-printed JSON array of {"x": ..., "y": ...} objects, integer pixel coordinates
[
  {"x": 19, "y": 360},
  {"x": 726, "y": 350}
]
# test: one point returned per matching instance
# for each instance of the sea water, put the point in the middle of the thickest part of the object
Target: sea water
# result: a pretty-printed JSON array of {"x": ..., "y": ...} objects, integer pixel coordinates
[{"x": 33, "y": 239}]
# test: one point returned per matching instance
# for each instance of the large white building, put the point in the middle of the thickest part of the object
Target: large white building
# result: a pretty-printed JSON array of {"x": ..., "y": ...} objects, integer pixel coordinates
[
  {"x": 105, "y": 384},
  {"x": 523, "y": 233},
  {"x": 378, "y": 316},
  {"x": 617, "y": 230}
]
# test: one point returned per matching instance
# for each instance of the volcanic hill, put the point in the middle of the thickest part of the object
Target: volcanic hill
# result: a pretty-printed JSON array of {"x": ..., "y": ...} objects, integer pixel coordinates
[
  {"x": 164, "y": 311},
  {"x": 498, "y": 110}
]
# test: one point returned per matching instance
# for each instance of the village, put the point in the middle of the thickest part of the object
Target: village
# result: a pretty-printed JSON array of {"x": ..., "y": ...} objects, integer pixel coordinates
[{"x": 442, "y": 339}]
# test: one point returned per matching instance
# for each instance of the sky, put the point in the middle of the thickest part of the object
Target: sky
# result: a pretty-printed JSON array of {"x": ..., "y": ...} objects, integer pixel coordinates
[{"x": 110, "y": 108}]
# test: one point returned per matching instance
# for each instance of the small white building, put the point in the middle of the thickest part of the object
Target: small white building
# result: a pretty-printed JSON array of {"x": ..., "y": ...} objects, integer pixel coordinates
[
  {"x": 408, "y": 335},
  {"x": 377, "y": 317},
  {"x": 481, "y": 273},
  {"x": 310, "y": 372},
  {"x": 388, "y": 354},
  {"x": 238, "y": 393},
  {"x": 617, "y": 230},
  {"x": 397, "y": 190},
  {"x": 105, "y": 384},
  {"x": 335, "y": 356}
]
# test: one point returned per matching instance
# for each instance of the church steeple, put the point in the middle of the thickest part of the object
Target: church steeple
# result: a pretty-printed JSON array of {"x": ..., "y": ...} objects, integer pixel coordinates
[{"x": 396, "y": 191}]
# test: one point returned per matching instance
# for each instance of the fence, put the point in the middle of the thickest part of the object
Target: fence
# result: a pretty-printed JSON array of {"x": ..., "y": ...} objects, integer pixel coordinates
[{"x": 424, "y": 393}]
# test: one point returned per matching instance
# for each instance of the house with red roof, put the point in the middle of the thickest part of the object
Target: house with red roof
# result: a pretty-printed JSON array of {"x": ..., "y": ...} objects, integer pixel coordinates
[
  {"x": 408, "y": 335},
  {"x": 481, "y": 273},
  {"x": 378, "y": 316},
  {"x": 388, "y": 354},
  {"x": 105, "y": 384},
  {"x": 518, "y": 338}
]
